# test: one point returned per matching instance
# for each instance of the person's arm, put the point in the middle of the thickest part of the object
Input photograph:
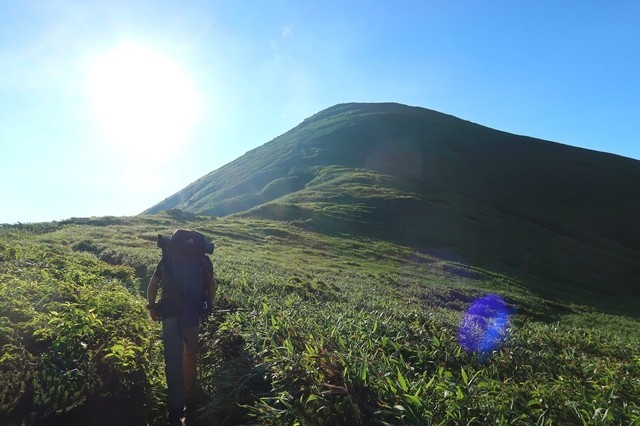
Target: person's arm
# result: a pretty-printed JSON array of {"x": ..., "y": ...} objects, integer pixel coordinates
[
  {"x": 152, "y": 292},
  {"x": 212, "y": 285}
]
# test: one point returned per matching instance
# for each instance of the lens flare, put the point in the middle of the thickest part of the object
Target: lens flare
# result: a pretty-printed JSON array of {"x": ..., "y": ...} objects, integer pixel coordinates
[{"x": 484, "y": 325}]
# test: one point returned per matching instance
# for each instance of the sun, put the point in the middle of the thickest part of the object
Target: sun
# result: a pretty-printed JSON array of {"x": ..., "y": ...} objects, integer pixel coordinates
[{"x": 145, "y": 104}]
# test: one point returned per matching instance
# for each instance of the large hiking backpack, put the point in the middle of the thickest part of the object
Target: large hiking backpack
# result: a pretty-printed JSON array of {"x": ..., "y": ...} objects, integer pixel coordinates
[{"x": 184, "y": 267}]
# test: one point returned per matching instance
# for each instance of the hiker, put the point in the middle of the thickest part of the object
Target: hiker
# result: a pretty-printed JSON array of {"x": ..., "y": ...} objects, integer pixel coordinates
[{"x": 185, "y": 275}]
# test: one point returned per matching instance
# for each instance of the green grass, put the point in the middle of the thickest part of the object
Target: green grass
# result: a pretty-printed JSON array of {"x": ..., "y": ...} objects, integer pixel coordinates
[{"x": 309, "y": 329}]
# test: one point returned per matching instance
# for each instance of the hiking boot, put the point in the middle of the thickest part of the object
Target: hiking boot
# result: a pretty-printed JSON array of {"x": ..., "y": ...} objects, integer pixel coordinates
[{"x": 176, "y": 417}]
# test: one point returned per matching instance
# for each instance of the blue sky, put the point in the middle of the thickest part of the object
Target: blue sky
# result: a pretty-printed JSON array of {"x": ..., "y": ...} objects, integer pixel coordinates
[{"x": 107, "y": 107}]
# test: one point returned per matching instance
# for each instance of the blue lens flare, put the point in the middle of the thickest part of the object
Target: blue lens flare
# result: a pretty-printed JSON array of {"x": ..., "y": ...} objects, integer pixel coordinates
[{"x": 484, "y": 325}]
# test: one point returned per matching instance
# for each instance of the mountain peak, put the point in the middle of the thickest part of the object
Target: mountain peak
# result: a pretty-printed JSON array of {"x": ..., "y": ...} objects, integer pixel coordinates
[{"x": 435, "y": 182}]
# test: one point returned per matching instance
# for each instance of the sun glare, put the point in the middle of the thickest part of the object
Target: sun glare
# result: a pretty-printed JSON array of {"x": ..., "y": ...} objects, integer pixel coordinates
[{"x": 144, "y": 102}]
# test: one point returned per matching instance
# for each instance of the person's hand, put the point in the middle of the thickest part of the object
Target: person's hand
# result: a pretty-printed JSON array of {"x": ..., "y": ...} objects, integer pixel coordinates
[{"x": 153, "y": 313}]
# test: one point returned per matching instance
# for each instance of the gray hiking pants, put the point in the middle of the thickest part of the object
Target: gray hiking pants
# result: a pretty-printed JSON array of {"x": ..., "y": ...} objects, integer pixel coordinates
[{"x": 180, "y": 350}]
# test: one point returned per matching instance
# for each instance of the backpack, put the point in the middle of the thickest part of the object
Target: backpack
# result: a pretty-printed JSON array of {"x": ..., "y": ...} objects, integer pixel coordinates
[{"x": 185, "y": 267}]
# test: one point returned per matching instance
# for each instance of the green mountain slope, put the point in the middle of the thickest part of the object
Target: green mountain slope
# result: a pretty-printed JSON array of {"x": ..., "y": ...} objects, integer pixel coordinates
[{"x": 562, "y": 218}]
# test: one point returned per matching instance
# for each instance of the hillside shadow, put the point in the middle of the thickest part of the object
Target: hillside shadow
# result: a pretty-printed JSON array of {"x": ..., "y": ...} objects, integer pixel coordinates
[
  {"x": 232, "y": 377},
  {"x": 560, "y": 282}
]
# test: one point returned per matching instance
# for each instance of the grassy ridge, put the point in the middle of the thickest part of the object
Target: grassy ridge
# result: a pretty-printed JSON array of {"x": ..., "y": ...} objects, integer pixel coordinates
[{"x": 310, "y": 329}]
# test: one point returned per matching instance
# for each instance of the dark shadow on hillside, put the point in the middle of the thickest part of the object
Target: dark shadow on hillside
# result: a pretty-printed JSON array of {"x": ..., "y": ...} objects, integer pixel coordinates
[
  {"x": 554, "y": 266},
  {"x": 232, "y": 378},
  {"x": 125, "y": 407}
]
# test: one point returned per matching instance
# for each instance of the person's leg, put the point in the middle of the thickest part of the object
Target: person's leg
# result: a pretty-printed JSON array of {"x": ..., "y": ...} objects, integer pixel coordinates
[
  {"x": 173, "y": 340},
  {"x": 190, "y": 353}
]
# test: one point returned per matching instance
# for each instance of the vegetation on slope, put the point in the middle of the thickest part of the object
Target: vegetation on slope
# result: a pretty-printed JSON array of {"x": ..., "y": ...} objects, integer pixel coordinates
[
  {"x": 309, "y": 329},
  {"x": 74, "y": 340},
  {"x": 561, "y": 218}
]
